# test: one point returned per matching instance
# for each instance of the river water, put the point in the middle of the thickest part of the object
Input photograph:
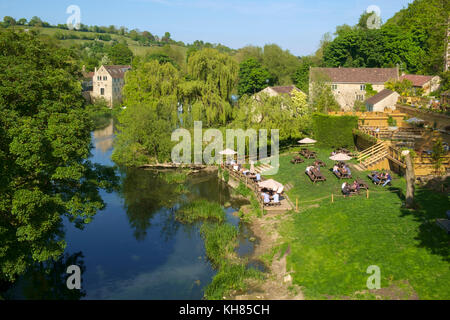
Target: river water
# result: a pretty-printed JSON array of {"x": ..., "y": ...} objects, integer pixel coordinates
[{"x": 134, "y": 248}]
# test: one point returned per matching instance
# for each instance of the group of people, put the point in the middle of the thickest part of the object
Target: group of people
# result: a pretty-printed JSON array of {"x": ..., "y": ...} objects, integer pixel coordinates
[
  {"x": 239, "y": 168},
  {"x": 265, "y": 195},
  {"x": 348, "y": 189},
  {"x": 342, "y": 168},
  {"x": 378, "y": 178}
]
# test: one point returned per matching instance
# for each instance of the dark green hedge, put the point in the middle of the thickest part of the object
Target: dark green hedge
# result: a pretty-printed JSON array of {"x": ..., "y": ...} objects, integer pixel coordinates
[{"x": 334, "y": 131}]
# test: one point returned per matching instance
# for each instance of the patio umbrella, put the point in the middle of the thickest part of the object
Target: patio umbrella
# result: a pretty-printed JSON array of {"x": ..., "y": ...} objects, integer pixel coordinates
[
  {"x": 307, "y": 141},
  {"x": 340, "y": 157},
  {"x": 270, "y": 184},
  {"x": 415, "y": 120},
  {"x": 227, "y": 152}
]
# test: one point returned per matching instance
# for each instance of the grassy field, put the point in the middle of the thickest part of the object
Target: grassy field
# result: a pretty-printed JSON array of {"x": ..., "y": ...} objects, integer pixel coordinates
[
  {"x": 134, "y": 46},
  {"x": 332, "y": 244}
]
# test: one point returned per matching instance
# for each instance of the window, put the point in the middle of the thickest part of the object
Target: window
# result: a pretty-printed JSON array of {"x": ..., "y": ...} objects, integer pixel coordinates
[
  {"x": 360, "y": 97},
  {"x": 105, "y": 78},
  {"x": 334, "y": 87},
  {"x": 102, "y": 91},
  {"x": 362, "y": 87},
  {"x": 99, "y": 78}
]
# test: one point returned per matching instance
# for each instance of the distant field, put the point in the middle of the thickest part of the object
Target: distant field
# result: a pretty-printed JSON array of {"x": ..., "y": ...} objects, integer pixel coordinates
[{"x": 137, "y": 49}]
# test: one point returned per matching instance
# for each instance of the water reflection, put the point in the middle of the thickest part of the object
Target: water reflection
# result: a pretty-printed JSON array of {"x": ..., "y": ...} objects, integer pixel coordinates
[
  {"x": 104, "y": 138},
  {"x": 47, "y": 281}
]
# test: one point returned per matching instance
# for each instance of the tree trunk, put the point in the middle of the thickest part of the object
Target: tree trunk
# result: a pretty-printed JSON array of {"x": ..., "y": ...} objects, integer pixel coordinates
[{"x": 410, "y": 180}]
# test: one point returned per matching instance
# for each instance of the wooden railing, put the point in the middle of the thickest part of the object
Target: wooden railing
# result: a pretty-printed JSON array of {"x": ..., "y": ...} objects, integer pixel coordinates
[
  {"x": 371, "y": 151},
  {"x": 249, "y": 183}
]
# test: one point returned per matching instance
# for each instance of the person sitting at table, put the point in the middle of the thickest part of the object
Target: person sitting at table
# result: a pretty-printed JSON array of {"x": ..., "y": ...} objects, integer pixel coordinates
[
  {"x": 266, "y": 198},
  {"x": 333, "y": 153},
  {"x": 355, "y": 186},
  {"x": 258, "y": 177},
  {"x": 347, "y": 170},
  {"x": 276, "y": 198},
  {"x": 308, "y": 169},
  {"x": 345, "y": 189},
  {"x": 335, "y": 168},
  {"x": 388, "y": 179},
  {"x": 375, "y": 178}
]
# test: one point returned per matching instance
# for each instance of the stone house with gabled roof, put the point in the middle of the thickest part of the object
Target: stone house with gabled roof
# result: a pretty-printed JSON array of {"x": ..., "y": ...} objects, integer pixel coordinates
[
  {"x": 348, "y": 84},
  {"x": 427, "y": 83},
  {"x": 385, "y": 99},
  {"x": 275, "y": 91},
  {"x": 108, "y": 82}
]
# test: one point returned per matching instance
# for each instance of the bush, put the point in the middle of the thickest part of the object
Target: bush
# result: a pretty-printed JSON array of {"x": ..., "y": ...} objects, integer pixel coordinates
[
  {"x": 364, "y": 136},
  {"x": 334, "y": 131}
]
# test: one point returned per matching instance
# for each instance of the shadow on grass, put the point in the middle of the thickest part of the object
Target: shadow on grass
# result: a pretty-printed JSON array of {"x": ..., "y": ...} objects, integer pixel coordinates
[{"x": 430, "y": 205}]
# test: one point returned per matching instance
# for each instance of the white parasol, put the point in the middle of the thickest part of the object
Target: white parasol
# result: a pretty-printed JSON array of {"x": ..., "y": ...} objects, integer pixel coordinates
[
  {"x": 340, "y": 157},
  {"x": 270, "y": 184}
]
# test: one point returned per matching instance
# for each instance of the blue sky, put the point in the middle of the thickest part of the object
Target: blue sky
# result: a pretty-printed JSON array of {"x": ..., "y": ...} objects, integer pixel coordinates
[{"x": 297, "y": 25}]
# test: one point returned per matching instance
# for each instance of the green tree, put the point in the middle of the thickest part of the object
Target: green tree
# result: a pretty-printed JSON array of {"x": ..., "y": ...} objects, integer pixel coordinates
[
  {"x": 288, "y": 114},
  {"x": 9, "y": 21},
  {"x": 22, "y": 22},
  {"x": 151, "y": 95},
  {"x": 252, "y": 77},
  {"x": 36, "y": 22},
  {"x": 120, "y": 54},
  {"x": 369, "y": 90},
  {"x": 44, "y": 144},
  {"x": 280, "y": 63},
  {"x": 301, "y": 76},
  {"x": 322, "y": 98},
  {"x": 216, "y": 76}
]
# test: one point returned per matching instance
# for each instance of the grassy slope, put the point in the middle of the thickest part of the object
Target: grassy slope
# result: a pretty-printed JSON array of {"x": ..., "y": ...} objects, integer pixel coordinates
[
  {"x": 134, "y": 46},
  {"x": 333, "y": 244}
]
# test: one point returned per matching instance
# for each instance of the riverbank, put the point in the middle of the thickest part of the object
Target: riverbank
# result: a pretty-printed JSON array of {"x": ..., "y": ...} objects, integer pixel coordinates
[{"x": 277, "y": 281}]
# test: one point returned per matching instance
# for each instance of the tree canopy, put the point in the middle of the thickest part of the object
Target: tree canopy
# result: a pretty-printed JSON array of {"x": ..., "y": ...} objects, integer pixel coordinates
[
  {"x": 253, "y": 77},
  {"x": 44, "y": 144}
]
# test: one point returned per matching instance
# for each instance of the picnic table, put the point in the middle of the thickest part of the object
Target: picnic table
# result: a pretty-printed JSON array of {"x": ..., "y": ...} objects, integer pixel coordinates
[
  {"x": 362, "y": 184},
  {"x": 342, "y": 174},
  {"x": 320, "y": 163},
  {"x": 381, "y": 181},
  {"x": 315, "y": 175},
  {"x": 297, "y": 160},
  {"x": 308, "y": 154}
]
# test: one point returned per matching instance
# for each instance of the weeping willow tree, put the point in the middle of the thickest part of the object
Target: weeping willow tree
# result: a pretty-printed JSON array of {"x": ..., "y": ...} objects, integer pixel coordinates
[
  {"x": 151, "y": 96},
  {"x": 290, "y": 114},
  {"x": 214, "y": 76}
]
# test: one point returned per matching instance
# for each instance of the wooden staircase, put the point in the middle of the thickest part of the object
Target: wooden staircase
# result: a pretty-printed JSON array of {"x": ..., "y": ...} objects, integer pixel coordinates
[{"x": 373, "y": 155}]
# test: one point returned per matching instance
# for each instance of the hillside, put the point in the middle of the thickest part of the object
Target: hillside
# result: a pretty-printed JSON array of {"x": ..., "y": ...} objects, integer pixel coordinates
[{"x": 70, "y": 40}]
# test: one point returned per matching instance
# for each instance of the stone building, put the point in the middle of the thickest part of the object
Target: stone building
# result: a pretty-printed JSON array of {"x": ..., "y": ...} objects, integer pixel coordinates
[
  {"x": 349, "y": 84},
  {"x": 107, "y": 83},
  {"x": 427, "y": 83},
  {"x": 385, "y": 99},
  {"x": 275, "y": 91}
]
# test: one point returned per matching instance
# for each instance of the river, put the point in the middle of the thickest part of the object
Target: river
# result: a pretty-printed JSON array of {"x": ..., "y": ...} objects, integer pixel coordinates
[{"x": 134, "y": 248}]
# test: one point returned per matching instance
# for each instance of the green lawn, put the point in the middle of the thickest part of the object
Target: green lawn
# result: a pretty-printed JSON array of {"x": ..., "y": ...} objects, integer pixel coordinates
[
  {"x": 306, "y": 191},
  {"x": 332, "y": 244}
]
